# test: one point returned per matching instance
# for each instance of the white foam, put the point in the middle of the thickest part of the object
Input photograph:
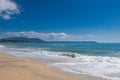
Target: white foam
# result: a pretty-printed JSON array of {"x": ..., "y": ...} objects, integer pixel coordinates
[
  {"x": 32, "y": 53},
  {"x": 107, "y": 67},
  {"x": 2, "y": 46}
]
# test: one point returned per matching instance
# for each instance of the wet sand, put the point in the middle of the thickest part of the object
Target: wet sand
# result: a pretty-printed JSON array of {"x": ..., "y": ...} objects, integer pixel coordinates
[{"x": 12, "y": 68}]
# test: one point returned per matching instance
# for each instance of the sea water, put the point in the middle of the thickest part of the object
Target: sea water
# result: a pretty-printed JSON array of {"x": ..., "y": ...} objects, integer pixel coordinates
[{"x": 95, "y": 59}]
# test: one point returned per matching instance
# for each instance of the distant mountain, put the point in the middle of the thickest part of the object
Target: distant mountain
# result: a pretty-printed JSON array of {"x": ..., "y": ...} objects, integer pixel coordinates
[
  {"x": 74, "y": 42},
  {"x": 37, "y": 40},
  {"x": 22, "y": 39}
]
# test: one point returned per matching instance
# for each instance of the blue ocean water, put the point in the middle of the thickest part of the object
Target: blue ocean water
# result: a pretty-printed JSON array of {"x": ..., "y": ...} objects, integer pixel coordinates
[{"x": 91, "y": 49}]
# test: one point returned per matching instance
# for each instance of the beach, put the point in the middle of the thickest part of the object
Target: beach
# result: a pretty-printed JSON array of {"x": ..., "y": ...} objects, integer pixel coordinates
[
  {"x": 36, "y": 61},
  {"x": 12, "y": 68}
]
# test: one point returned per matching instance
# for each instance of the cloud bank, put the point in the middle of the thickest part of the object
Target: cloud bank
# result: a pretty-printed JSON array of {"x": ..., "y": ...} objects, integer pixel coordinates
[
  {"x": 8, "y": 8},
  {"x": 51, "y": 36}
]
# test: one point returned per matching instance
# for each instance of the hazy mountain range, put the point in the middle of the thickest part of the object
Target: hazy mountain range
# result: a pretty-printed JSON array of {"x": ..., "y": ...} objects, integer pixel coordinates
[{"x": 37, "y": 40}]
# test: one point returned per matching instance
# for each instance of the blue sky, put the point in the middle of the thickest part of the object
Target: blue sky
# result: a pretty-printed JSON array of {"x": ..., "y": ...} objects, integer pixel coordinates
[{"x": 98, "y": 19}]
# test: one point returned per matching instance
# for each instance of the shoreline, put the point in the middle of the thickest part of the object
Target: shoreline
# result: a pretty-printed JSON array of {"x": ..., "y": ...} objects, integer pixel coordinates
[
  {"x": 49, "y": 62},
  {"x": 52, "y": 70},
  {"x": 14, "y": 68}
]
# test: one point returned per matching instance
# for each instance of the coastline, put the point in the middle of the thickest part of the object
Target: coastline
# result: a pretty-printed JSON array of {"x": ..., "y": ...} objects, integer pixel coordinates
[
  {"x": 18, "y": 68},
  {"x": 14, "y": 68},
  {"x": 49, "y": 61}
]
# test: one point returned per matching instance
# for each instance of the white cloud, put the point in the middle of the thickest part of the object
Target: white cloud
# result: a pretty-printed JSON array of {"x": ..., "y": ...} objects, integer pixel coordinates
[
  {"x": 51, "y": 36},
  {"x": 6, "y": 17},
  {"x": 8, "y": 8}
]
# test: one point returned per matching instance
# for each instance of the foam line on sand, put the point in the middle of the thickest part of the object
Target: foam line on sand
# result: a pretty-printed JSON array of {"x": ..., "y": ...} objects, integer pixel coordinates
[{"x": 12, "y": 68}]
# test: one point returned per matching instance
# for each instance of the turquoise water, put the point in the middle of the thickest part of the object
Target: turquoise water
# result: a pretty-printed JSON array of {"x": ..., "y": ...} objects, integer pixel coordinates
[{"x": 91, "y": 49}]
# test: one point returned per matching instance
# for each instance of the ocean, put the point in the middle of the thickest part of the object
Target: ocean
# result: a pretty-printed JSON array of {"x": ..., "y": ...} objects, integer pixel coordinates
[{"x": 94, "y": 59}]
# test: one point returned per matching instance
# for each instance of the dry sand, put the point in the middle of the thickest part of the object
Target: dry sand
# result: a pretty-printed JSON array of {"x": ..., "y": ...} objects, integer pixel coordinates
[{"x": 12, "y": 68}]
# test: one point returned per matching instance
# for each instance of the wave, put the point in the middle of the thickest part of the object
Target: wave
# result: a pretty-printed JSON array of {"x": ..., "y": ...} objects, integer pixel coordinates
[
  {"x": 2, "y": 46},
  {"x": 107, "y": 67}
]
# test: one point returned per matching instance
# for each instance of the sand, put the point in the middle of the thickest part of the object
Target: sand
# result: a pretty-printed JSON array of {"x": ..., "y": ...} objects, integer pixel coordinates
[{"x": 12, "y": 68}]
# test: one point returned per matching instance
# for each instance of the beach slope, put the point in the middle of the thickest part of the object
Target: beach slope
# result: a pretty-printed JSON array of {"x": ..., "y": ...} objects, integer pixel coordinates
[{"x": 12, "y": 68}]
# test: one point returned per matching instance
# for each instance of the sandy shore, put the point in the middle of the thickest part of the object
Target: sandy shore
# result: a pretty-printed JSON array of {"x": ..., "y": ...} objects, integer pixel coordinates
[{"x": 12, "y": 68}]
